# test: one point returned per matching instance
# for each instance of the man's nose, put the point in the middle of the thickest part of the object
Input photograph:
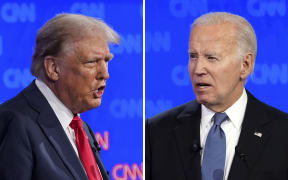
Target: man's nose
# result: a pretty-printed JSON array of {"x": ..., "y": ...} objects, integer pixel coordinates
[
  {"x": 200, "y": 67},
  {"x": 103, "y": 70}
]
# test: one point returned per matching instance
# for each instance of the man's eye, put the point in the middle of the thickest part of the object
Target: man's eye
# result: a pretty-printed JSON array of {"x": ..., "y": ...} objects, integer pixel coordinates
[
  {"x": 92, "y": 62},
  {"x": 212, "y": 58},
  {"x": 193, "y": 56}
]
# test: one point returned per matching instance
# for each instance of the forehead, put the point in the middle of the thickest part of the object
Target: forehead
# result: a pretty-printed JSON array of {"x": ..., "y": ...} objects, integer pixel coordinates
[
  {"x": 92, "y": 41},
  {"x": 91, "y": 45},
  {"x": 210, "y": 35}
]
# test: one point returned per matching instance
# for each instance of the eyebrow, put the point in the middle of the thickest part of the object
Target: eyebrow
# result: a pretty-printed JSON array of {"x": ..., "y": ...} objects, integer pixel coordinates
[
  {"x": 192, "y": 51},
  {"x": 206, "y": 54},
  {"x": 100, "y": 56},
  {"x": 210, "y": 54}
]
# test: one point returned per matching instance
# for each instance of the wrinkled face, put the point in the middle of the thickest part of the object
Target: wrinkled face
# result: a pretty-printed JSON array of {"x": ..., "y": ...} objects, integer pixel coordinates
[
  {"x": 83, "y": 73},
  {"x": 215, "y": 69}
]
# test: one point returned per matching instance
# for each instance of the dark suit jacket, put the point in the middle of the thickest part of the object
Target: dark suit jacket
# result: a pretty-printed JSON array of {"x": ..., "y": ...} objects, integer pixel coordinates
[
  {"x": 173, "y": 150},
  {"x": 33, "y": 144}
]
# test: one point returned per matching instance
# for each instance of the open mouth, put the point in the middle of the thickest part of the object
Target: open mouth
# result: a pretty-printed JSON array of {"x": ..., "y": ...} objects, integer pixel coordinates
[
  {"x": 203, "y": 85},
  {"x": 99, "y": 92},
  {"x": 100, "y": 88}
]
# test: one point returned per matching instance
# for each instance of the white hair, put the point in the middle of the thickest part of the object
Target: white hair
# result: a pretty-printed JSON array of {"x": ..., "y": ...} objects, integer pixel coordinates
[
  {"x": 64, "y": 29},
  {"x": 245, "y": 36}
]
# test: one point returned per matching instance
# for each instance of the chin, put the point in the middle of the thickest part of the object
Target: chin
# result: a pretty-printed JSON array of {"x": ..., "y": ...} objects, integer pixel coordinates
[
  {"x": 97, "y": 103},
  {"x": 202, "y": 99},
  {"x": 92, "y": 104}
]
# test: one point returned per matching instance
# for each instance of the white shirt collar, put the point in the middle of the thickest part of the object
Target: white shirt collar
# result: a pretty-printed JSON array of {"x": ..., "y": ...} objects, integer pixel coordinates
[
  {"x": 63, "y": 114},
  {"x": 206, "y": 116},
  {"x": 235, "y": 112}
]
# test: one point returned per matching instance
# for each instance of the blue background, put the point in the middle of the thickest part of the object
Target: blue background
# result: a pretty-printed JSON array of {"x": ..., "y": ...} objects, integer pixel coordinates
[
  {"x": 167, "y": 79},
  {"x": 167, "y": 34},
  {"x": 120, "y": 115}
]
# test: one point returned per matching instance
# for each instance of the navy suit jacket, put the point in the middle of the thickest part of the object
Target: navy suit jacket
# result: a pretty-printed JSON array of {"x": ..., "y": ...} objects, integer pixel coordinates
[
  {"x": 173, "y": 144},
  {"x": 33, "y": 144}
]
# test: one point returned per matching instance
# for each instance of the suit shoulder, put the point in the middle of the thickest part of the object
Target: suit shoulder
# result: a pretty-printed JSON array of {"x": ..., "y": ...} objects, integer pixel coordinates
[
  {"x": 169, "y": 116},
  {"x": 270, "y": 110},
  {"x": 16, "y": 109},
  {"x": 275, "y": 113},
  {"x": 18, "y": 105}
]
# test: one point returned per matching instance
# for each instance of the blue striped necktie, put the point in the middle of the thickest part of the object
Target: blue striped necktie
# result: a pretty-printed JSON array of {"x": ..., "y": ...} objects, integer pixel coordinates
[{"x": 215, "y": 151}]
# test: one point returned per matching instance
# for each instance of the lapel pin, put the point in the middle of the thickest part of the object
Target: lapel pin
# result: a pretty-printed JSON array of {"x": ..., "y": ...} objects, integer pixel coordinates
[{"x": 259, "y": 134}]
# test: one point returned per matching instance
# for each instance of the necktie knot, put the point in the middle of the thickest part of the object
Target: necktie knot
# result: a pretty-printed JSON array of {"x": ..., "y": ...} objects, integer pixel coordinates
[
  {"x": 76, "y": 123},
  {"x": 219, "y": 118}
]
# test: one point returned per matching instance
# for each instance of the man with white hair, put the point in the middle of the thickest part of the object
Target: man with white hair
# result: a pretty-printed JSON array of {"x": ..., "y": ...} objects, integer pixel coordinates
[
  {"x": 226, "y": 133},
  {"x": 41, "y": 133}
]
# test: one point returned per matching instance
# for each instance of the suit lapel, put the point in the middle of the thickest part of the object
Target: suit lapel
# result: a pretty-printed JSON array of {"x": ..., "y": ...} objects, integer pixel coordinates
[
  {"x": 254, "y": 134},
  {"x": 54, "y": 132},
  {"x": 187, "y": 137}
]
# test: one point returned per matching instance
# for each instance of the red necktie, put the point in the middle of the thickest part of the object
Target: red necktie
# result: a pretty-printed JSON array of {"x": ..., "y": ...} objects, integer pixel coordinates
[{"x": 85, "y": 151}]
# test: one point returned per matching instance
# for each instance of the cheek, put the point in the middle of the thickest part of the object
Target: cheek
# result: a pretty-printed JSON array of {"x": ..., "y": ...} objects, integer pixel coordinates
[
  {"x": 190, "y": 68},
  {"x": 87, "y": 74},
  {"x": 234, "y": 74},
  {"x": 91, "y": 75},
  {"x": 227, "y": 80}
]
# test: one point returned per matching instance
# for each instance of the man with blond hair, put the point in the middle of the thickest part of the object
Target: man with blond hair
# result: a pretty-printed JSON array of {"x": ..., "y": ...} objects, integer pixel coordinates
[
  {"x": 41, "y": 133},
  {"x": 226, "y": 133}
]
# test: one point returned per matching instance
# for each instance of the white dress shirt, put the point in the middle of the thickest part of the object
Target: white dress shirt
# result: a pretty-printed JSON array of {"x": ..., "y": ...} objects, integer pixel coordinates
[
  {"x": 63, "y": 114},
  {"x": 231, "y": 127}
]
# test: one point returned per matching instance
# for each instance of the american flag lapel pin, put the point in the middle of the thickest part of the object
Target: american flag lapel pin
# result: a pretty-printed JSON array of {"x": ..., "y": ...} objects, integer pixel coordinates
[{"x": 259, "y": 134}]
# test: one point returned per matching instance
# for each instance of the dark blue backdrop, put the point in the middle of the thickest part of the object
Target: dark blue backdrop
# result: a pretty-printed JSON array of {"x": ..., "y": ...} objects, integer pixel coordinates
[
  {"x": 167, "y": 33},
  {"x": 117, "y": 123}
]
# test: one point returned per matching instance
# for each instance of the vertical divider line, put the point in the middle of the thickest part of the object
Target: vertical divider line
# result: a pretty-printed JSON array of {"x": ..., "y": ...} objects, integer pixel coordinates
[{"x": 144, "y": 95}]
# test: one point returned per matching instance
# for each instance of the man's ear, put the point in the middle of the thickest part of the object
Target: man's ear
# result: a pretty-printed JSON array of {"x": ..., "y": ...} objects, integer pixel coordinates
[
  {"x": 51, "y": 68},
  {"x": 247, "y": 65}
]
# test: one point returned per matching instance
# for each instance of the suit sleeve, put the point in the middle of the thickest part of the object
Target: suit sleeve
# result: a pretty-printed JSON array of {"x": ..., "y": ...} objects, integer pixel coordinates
[
  {"x": 147, "y": 152},
  {"x": 15, "y": 149}
]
